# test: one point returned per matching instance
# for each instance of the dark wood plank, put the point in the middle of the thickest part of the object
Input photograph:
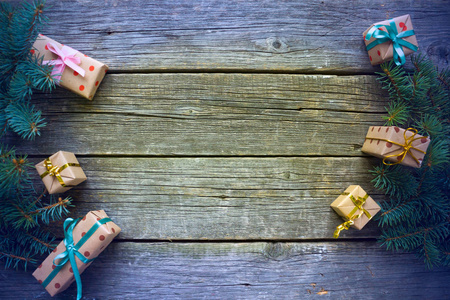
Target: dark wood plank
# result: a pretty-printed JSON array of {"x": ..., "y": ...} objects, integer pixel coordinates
[
  {"x": 287, "y": 36},
  {"x": 213, "y": 114},
  {"x": 222, "y": 198},
  {"x": 246, "y": 271}
]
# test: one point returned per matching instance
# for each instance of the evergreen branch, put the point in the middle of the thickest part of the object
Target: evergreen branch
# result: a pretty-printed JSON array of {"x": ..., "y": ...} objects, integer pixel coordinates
[
  {"x": 398, "y": 114},
  {"x": 16, "y": 257},
  {"x": 444, "y": 78},
  {"x": 416, "y": 216},
  {"x": 394, "y": 80},
  {"x": 24, "y": 120}
]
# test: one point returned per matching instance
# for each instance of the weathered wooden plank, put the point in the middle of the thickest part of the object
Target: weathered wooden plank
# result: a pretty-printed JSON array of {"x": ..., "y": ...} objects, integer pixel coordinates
[
  {"x": 294, "y": 36},
  {"x": 303, "y": 36},
  {"x": 213, "y": 114},
  {"x": 222, "y": 198},
  {"x": 246, "y": 271}
]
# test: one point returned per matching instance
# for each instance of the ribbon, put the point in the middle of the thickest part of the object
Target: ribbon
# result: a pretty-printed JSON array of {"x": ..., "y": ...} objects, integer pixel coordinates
[
  {"x": 55, "y": 171},
  {"x": 407, "y": 146},
  {"x": 358, "y": 202},
  {"x": 72, "y": 250},
  {"x": 392, "y": 35},
  {"x": 66, "y": 57}
]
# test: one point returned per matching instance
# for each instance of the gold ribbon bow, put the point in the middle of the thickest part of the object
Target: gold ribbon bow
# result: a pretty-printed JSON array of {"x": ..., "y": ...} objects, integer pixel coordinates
[
  {"x": 55, "y": 171},
  {"x": 358, "y": 202},
  {"x": 407, "y": 146}
]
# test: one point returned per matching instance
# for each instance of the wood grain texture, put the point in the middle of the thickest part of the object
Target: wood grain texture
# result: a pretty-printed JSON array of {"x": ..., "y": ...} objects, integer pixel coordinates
[
  {"x": 288, "y": 36},
  {"x": 222, "y": 198},
  {"x": 213, "y": 115},
  {"x": 357, "y": 270}
]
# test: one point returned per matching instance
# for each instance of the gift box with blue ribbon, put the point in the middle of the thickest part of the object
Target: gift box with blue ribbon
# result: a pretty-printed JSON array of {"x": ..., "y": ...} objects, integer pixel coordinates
[
  {"x": 391, "y": 39},
  {"x": 84, "y": 239}
]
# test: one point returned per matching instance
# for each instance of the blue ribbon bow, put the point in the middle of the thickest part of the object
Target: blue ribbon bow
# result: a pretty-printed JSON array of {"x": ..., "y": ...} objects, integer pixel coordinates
[
  {"x": 72, "y": 250},
  {"x": 391, "y": 34}
]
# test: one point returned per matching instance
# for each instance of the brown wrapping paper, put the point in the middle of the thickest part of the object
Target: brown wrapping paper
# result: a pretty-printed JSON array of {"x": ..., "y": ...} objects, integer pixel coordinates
[
  {"x": 385, "y": 52},
  {"x": 71, "y": 175},
  {"x": 343, "y": 206},
  {"x": 91, "y": 248},
  {"x": 84, "y": 86},
  {"x": 374, "y": 144}
]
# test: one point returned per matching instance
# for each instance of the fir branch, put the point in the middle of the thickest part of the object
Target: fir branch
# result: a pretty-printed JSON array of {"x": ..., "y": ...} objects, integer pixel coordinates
[
  {"x": 394, "y": 80},
  {"x": 24, "y": 120},
  {"x": 398, "y": 114},
  {"x": 13, "y": 260},
  {"x": 416, "y": 215}
]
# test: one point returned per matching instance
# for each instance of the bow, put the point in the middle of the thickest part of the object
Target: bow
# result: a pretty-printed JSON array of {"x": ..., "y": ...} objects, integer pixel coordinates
[
  {"x": 55, "y": 170},
  {"x": 358, "y": 202},
  {"x": 66, "y": 57},
  {"x": 69, "y": 254},
  {"x": 406, "y": 148},
  {"x": 392, "y": 35},
  {"x": 72, "y": 250}
]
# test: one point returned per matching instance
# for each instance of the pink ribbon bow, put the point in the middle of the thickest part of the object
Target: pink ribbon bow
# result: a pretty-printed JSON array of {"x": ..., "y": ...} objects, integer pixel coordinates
[{"x": 66, "y": 57}]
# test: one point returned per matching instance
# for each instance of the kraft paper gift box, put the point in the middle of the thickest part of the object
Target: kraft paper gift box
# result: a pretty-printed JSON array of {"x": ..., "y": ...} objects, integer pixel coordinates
[
  {"x": 91, "y": 235},
  {"x": 82, "y": 78},
  {"x": 394, "y": 144},
  {"x": 354, "y": 202},
  {"x": 60, "y": 172},
  {"x": 400, "y": 27}
]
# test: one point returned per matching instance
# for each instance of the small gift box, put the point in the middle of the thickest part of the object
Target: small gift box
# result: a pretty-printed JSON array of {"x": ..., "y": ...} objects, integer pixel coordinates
[
  {"x": 84, "y": 240},
  {"x": 396, "y": 145},
  {"x": 75, "y": 71},
  {"x": 356, "y": 207},
  {"x": 390, "y": 39},
  {"x": 60, "y": 172}
]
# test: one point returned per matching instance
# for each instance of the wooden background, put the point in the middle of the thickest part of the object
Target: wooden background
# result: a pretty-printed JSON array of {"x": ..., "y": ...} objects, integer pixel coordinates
[{"x": 217, "y": 142}]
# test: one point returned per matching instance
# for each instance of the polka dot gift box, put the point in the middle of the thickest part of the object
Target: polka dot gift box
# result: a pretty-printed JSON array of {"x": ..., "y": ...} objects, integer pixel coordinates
[
  {"x": 390, "y": 39},
  {"x": 78, "y": 72},
  {"x": 85, "y": 239},
  {"x": 396, "y": 145}
]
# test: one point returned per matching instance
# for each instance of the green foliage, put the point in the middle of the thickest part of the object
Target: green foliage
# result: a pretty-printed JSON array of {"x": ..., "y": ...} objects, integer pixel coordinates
[
  {"x": 20, "y": 70},
  {"x": 416, "y": 215},
  {"x": 22, "y": 210}
]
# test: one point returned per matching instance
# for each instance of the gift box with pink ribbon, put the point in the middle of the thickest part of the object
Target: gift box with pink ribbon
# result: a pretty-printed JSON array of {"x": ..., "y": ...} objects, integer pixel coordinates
[{"x": 72, "y": 69}]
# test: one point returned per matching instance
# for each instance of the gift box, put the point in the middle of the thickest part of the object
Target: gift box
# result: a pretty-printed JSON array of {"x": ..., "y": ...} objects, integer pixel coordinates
[
  {"x": 390, "y": 39},
  {"x": 78, "y": 72},
  {"x": 396, "y": 145},
  {"x": 356, "y": 207},
  {"x": 60, "y": 172},
  {"x": 86, "y": 238}
]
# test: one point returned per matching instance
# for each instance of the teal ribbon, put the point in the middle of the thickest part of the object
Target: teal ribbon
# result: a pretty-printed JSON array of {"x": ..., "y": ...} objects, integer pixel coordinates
[
  {"x": 72, "y": 250},
  {"x": 392, "y": 35}
]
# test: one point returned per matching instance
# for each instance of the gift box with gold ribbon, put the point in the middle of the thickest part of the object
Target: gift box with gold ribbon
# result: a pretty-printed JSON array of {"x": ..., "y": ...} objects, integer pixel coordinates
[
  {"x": 84, "y": 239},
  {"x": 396, "y": 145},
  {"x": 73, "y": 70},
  {"x": 60, "y": 172},
  {"x": 391, "y": 39},
  {"x": 356, "y": 207}
]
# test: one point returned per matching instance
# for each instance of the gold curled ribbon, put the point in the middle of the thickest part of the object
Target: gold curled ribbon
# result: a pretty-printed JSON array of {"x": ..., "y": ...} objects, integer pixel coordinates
[
  {"x": 407, "y": 146},
  {"x": 358, "y": 202},
  {"x": 55, "y": 170}
]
